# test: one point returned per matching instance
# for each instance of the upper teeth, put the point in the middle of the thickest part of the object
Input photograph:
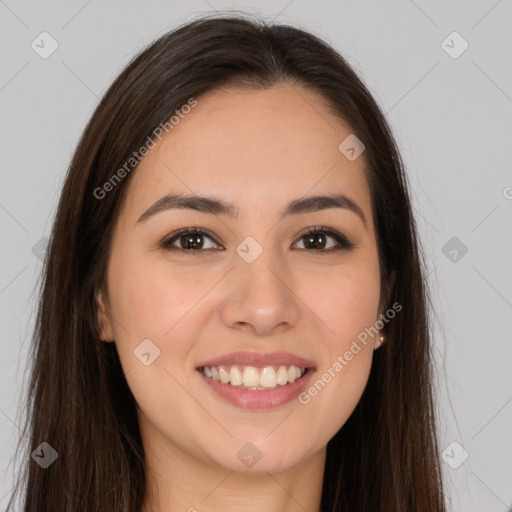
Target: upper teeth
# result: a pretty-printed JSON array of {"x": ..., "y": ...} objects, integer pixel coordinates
[{"x": 253, "y": 377}]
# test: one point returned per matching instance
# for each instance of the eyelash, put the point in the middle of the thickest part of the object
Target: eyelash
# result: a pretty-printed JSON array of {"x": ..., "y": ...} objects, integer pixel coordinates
[{"x": 344, "y": 243}]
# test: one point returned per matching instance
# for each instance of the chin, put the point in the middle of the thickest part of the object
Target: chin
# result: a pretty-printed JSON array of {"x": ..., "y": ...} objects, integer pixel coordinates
[{"x": 261, "y": 457}]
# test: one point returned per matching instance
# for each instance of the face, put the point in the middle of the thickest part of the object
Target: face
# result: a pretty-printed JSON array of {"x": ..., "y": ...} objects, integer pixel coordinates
[{"x": 254, "y": 282}]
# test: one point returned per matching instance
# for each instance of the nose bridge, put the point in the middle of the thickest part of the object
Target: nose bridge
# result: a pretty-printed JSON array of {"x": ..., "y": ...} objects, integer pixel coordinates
[
  {"x": 259, "y": 268},
  {"x": 260, "y": 295}
]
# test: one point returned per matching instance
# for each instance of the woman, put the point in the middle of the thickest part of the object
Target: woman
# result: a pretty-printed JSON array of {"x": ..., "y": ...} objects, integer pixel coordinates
[{"x": 234, "y": 313}]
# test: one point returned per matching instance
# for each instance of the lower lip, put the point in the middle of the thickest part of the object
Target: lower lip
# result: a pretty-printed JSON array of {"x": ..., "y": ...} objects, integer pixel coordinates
[{"x": 259, "y": 400}]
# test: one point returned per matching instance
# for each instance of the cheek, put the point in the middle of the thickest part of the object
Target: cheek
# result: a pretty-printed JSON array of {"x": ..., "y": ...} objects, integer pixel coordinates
[
  {"x": 151, "y": 299},
  {"x": 346, "y": 300},
  {"x": 155, "y": 302},
  {"x": 347, "y": 306}
]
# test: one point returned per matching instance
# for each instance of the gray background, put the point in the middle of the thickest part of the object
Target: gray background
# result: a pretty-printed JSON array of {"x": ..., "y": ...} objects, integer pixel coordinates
[{"x": 451, "y": 117}]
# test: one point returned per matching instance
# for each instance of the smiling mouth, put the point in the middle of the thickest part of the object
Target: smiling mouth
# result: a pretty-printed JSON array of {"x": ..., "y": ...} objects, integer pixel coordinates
[{"x": 254, "y": 378}]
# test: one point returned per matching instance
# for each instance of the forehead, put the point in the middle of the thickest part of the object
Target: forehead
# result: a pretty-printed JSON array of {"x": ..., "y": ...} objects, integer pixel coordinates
[{"x": 255, "y": 148}]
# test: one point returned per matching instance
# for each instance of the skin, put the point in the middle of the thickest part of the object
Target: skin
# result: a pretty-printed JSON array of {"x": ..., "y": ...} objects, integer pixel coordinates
[{"x": 259, "y": 150}]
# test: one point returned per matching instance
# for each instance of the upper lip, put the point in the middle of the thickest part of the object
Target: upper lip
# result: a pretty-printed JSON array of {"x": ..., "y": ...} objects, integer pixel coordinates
[{"x": 258, "y": 359}]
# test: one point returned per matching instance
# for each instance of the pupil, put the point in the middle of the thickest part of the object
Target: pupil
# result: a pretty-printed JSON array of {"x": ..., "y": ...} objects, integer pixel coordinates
[
  {"x": 191, "y": 240},
  {"x": 311, "y": 240}
]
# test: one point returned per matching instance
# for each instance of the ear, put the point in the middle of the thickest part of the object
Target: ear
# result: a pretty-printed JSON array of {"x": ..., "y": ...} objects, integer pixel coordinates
[
  {"x": 387, "y": 295},
  {"x": 103, "y": 318},
  {"x": 389, "y": 290}
]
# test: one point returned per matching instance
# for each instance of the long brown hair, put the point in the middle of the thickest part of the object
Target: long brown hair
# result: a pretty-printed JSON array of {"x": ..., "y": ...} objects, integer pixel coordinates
[{"x": 385, "y": 457}]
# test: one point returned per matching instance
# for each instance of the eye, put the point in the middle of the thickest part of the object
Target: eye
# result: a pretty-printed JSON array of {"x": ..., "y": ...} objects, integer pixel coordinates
[
  {"x": 188, "y": 240},
  {"x": 316, "y": 238},
  {"x": 191, "y": 240}
]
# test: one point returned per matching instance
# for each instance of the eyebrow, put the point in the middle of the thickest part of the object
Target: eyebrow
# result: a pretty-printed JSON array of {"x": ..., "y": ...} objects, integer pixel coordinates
[{"x": 216, "y": 206}]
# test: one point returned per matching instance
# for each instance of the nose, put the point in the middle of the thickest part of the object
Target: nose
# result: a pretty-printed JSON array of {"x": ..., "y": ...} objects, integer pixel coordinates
[{"x": 261, "y": 297}]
